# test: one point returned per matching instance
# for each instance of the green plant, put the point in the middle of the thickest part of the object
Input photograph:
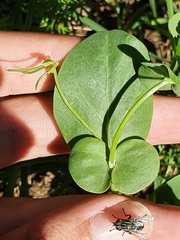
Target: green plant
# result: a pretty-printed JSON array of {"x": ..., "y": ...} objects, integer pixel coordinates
[
  {"x": 16, "y": 176},
  {"x": 107, "y": 99},
  {"x": 52, "y": 16}
]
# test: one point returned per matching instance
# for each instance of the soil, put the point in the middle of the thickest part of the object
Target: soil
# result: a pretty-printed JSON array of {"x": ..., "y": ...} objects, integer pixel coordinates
[{"x": 40, "y": 185}]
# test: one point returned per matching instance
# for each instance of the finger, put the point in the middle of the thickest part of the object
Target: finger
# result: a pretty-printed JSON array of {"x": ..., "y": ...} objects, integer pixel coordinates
[
  {"x": 165, "y": 126},
  {"x": 74, "y": 221},
  {"x": 25, "y": 50},
  {"x": 25, "y": 209},
  {"x": 166, "y": 220},
  {"x": 91, "y": 218},
  {"x": 28, "y": 129}
]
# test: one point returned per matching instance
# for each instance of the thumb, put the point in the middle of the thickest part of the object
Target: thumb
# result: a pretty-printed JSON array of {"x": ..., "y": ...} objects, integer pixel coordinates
[
  {"x": 125, "y": 218},
  {"x": 88, "y": 218},
  {"x": 92, "y": 218}
]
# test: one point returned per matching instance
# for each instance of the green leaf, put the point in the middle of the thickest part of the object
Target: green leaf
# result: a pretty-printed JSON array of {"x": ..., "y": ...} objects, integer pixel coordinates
[
  {"x": 168, "y": 192},
  {"x": 174, "y": 29},
  {"x": 99, "y": 101},
  {"x": 174, "y": 25},
  {"x": 178, "y": 51},
  {"x": 92, "y": 24},
  {"x": 88, "y": 165},
  {"x": 99, "y": 81},
  {"x": 176, "y": 89},
  {"x": 137, "y": 165},
  {"x": 158, "y": 71}
]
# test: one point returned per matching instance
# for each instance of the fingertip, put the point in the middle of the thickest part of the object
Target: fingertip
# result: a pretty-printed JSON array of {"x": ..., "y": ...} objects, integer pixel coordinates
[{"x": 103, "y": 227}]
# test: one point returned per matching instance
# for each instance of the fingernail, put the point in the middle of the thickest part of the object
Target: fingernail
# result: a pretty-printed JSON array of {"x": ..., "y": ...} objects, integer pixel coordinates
[{"x": 102, "y": 223}]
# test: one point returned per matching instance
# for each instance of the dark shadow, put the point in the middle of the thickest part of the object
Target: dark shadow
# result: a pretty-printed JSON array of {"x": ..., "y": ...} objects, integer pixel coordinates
[
  {"x": 178, "y": 28},
  {"x": 57, "y": 145},
  {"x": 165, "y": 195},
  {"x": 177, "y": 38},
  {"x": 38, "y": 58},
  {"x": 16, "y": 64},
  {"x": 15, "y": 136},
  {"x": 113, "y": 106},
  {"x": 129, "y": 138},
  {"x": 77, "y": 138},
  {"x": 137, "y": 58},
  {"x": 1, "y": 76},
  {"x": 134, "y": 54}
]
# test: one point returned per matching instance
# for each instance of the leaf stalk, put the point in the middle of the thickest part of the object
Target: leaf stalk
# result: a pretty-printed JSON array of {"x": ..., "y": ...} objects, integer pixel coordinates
[{"x": 128, "y": 115}]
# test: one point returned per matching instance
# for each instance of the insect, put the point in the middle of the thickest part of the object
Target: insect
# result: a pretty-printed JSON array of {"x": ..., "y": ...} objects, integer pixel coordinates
[{"x": 132, "y": 226}]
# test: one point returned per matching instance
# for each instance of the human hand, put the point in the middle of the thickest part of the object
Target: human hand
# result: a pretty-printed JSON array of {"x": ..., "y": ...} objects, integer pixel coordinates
[
  {"x": 81, "y": 217},
  {"x": 28, "y": 130},
  {"x": 27, "y": 126}
]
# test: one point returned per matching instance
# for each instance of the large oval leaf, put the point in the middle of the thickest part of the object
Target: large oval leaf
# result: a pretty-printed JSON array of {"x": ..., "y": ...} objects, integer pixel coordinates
[
  {"x": 88, "y": 165},
  {"x": 137, "y": 165},
  {"x": 99, "y": 81},
  {"x": 168, "y": 193}
]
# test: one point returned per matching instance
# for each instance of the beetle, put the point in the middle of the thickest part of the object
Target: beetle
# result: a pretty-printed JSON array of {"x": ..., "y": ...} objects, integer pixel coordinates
[{"x": 133, "y": 226}]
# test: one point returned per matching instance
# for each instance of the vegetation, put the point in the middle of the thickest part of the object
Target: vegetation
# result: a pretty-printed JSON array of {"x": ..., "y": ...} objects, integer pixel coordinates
[{"x": 138, "y": 18}]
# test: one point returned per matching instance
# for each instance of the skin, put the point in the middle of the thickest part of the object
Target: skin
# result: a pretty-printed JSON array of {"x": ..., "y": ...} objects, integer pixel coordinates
[{"x": 28, "y": 130}]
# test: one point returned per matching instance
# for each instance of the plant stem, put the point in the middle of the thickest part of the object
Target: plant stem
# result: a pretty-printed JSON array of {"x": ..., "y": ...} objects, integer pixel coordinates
[
  {"x": 24, "y": 184},
  {"x": 128, "y": 115},
  {"x": 134, "y": 17},
  {"x": 70, "y": 107},
  {"x": 152, "y": 4},
  {"x": 169, "y": 4},
  {"x": 92, "y": 24},
  {"x": 29, "y": 16},
  {"x": 170, "y": 164},
  {"x": 9, "y": 190}
]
